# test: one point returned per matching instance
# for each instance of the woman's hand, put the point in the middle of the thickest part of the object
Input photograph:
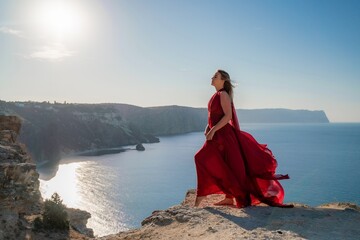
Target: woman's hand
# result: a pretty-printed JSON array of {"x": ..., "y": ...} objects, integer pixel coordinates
[
  {"x": 210, "y": 134},
  {"x": 207, "y": 129}
]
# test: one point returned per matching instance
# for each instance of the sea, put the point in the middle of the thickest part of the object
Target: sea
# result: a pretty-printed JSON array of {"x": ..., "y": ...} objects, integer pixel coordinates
[{"x": 120, "y": 190}]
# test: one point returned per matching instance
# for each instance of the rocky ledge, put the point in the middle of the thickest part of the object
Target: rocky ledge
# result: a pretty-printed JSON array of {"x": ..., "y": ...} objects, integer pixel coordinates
[{"x": 329, "y": 221}]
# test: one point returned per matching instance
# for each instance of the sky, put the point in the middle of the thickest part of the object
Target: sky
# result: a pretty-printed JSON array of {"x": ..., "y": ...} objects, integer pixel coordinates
[{"x": 298, "y": 54}]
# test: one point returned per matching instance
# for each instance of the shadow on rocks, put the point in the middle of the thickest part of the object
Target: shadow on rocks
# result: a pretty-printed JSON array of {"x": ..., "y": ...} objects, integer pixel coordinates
[{"x": 325, "y": 223}]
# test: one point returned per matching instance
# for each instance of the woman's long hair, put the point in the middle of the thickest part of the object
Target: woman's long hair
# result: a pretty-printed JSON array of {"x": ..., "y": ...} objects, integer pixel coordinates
[{"x": 228, "y": 86}]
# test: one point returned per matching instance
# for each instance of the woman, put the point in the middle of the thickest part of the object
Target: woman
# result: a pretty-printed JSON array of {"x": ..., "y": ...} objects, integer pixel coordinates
[{"x": 232, "y": 162}]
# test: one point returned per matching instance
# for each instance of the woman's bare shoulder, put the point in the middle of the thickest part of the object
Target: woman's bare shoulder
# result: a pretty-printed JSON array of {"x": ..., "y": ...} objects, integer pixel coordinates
[{"x": 224, "y": 95}]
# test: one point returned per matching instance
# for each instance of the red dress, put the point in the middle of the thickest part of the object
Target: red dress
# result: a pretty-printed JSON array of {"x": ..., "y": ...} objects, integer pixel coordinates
[{"x": 235, "y": 164}]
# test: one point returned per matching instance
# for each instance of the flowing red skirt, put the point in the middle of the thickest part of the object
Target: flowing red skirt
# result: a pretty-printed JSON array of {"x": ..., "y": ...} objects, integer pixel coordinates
[{"x": 235, "y": 164}]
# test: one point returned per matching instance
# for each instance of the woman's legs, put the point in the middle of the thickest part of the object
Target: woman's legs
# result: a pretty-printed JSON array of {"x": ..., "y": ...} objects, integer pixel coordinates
[{"x": 214, "y": 175}]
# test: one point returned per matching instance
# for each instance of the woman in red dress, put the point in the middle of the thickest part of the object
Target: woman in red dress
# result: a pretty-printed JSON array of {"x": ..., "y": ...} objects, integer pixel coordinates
[{"x": 231, "y": 161}]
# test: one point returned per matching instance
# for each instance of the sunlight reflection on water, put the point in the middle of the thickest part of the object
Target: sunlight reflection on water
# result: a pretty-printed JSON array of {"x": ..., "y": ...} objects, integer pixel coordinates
[
  {"x": 65, "y": 184},
  {"x": 83, "y": 185}
]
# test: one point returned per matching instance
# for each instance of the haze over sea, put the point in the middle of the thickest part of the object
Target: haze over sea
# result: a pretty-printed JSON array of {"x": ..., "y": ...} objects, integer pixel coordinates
[{"x": 120, "y": 190}]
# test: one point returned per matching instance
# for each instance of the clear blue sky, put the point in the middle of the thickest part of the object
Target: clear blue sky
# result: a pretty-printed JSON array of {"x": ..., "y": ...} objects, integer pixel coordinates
[{"x": 282, "y": 54}]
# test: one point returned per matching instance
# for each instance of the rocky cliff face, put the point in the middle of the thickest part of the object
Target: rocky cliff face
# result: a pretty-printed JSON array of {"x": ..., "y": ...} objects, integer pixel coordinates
[
  {"x": 20, "y": 198},
  {"x": 329, "y": 221},
  {"x": 168, "y": 120},
  {"x": 19, "y": 185}
]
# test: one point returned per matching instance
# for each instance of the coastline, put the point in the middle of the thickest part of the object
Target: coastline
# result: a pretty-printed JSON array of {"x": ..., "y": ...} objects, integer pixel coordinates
[{"x": 48, "y": 170}]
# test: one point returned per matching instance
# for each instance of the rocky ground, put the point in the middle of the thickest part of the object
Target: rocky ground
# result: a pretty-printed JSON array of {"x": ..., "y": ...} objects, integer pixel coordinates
[{"x": 330, "y": 221}]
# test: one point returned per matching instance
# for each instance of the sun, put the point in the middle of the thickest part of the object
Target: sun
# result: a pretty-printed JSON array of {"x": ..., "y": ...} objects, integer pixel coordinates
[{"x": 59, "y": 20}]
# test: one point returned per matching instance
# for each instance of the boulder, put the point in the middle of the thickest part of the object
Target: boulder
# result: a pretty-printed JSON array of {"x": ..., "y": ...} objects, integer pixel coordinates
[{"x": 140, "y": 147}]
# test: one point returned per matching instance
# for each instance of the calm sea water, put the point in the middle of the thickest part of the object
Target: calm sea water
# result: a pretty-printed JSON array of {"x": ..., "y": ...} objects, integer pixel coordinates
[{"x": 120, "y": 190}]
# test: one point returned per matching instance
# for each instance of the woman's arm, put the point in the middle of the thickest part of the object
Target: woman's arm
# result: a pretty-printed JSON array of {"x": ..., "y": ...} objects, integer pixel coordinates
[{"x": 226, "y": 106}]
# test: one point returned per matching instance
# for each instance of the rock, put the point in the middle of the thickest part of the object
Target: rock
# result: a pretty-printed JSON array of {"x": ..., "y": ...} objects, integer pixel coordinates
[
  {"x": 78, "y": 220},
  {"x": 12, "y": 123},
  {"x": 158, "y": 219},
  {"x": 329, "y": 221},
  {"x": 8, "y": 136},
  {"x": 140, "y": 147}
]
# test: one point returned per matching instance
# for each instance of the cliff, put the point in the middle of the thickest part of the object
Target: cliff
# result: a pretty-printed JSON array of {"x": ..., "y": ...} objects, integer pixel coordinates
[
  {"x": 168, "y": 120},
  {"x": 329, "y": 221},
  {"x": 20, "y": 198},
  {"x": 19, "y": 192},
  {"x": 54, "y": 131}
]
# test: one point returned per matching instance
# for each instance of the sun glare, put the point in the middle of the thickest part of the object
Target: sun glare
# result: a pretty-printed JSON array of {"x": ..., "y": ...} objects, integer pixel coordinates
[
  {"x": 65, "y": 184},
  {"x": 59, "y": 20}
]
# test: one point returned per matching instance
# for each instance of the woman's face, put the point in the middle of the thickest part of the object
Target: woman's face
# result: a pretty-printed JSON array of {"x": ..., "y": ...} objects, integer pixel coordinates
[{"x": 216, "y": 80}]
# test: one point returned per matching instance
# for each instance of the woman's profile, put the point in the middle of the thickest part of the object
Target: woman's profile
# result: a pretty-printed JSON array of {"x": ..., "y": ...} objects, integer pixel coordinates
[{"x": 231, "y": 161}]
